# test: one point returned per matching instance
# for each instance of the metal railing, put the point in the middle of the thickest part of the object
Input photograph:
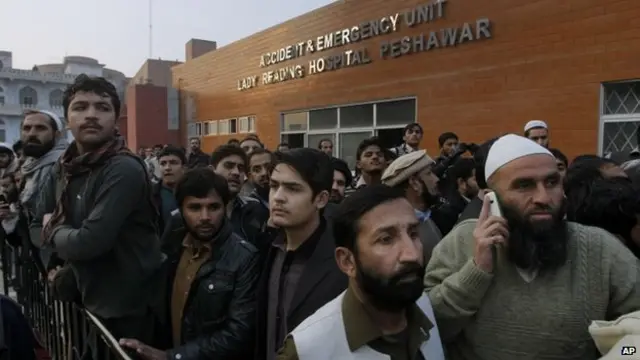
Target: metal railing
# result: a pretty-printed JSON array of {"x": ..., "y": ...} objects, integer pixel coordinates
[{"x": 65, "y": 330}]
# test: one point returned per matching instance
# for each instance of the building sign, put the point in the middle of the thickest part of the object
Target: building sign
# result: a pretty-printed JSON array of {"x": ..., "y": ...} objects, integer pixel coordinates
[{"x": 389, "y": 49}]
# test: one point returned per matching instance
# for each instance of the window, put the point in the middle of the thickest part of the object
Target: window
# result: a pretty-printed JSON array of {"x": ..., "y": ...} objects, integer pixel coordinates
[
  {"x": 3, "y": 131},
  {"x": 349, "y": 145},
  {"x": 620, "y": 117},
  {"x": 28, "y": 96},
  {"x": 323, "y": 119},
  {"x": 294, "y": 122},
  {"x": 247, "y": 124},
  {"x": 194, "y": 129},
  {"x": 400, "y": 113},
  {"x": 347, "y": 125},
  {"x": 233, "y": 126},
  {"x": 357, "y": 116},
  {"x": 223, "y": 127},
  {"x": 294, "y": 140},
  {"x": 55, "y": 98},
  {"x": 212, "y": 128}
]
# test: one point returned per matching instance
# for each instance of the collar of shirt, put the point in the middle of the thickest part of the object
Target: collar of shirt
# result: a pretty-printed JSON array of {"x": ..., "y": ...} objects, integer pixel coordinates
[
  {"x": 361, "y": 182},
  {"x": 361, "y": 329},
  {"x": 306, "y": 248},
  {"x": 196, "y": 251},
  {"x": 423, "y": 215}
]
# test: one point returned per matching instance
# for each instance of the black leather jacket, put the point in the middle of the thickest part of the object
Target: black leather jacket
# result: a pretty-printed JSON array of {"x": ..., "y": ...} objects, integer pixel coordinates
[{"x": 218, "y": 321}]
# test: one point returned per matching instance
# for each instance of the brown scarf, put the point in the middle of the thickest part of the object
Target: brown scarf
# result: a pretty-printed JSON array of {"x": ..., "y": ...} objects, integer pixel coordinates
[{"x": 73, "y": 165}]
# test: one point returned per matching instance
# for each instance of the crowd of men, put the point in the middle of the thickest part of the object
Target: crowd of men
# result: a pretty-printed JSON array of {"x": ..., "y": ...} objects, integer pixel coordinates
[{"x": 248, "y": 253}]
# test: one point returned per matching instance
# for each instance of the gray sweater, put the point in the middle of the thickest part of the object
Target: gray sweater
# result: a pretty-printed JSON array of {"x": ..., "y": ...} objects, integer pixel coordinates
[
  {"x": 499, "y": 316},
  {"x": 108, "y": 238}
]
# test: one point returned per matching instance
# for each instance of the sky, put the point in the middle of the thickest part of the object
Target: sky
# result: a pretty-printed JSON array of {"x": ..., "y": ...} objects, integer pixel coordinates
[{"x": 116, "y": 32}]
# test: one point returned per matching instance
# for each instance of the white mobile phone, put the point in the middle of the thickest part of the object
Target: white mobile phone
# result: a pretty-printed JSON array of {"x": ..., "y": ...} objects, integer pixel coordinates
[{"x": 495, "y": 205}]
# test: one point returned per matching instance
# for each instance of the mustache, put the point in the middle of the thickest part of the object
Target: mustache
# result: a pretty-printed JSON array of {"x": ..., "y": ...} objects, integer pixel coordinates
[
  {"x": 33, "y": 140},
  {"x": 91, "y": 126},
  {"x": 410, "y": 269}
]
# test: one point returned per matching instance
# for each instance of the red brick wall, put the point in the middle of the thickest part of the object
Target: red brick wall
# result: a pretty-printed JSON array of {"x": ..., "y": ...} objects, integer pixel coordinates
[
  {"x": 147, "y": 117},
  {"x": 546, "y": 61}
]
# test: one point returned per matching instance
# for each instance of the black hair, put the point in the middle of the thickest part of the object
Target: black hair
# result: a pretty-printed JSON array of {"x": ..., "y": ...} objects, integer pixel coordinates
[
  {"x": 411, "y": 127},
  {"x": 175, "y": 151},
  {"x": 252, "y": 138},
  {"x": 581, "y": 174},
  {"x": 313, "y": 165},
  {"x": 199, "y": 182},
  {"x": 346, "y": 220},
  {"x": 224, "y": 151},
  {"x": 97, "y": 85},
  {"x": 560, "y": 156},
  {"x": 585, "y": 157},
  {"x": 446, "y": 136},
  {"x": 260, "y": 151},
  {"x": 610, "y": 204},
  {"x": 341, "y": 166},
  {"x": 364, "y": 144},
  {"x": 480, "y": 159},
  {"x": 461, "y": 169},
  {"x": 158, "y": 146},
  {"x": 233, "y": 141},
  {"x": 323, "y": 140}
]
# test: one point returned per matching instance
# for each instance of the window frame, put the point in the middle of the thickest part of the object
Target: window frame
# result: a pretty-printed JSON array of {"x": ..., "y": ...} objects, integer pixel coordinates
[
  {"x": 614, "y": 118},
  {"x": 338, "y": 130}
]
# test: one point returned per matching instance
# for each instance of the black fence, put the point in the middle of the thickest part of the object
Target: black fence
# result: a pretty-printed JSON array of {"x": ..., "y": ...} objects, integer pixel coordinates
[{"x": 66, "y": 330}]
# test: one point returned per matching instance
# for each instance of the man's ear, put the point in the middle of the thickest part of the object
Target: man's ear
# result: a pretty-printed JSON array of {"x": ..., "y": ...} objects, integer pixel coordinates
[
  {"x": 321, "y": 199},
  {"x": 346, "y": 261}
]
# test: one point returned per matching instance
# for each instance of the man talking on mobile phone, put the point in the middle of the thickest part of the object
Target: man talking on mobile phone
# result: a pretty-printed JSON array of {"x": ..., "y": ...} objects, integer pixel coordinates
[{"x": 527, "y": 284}]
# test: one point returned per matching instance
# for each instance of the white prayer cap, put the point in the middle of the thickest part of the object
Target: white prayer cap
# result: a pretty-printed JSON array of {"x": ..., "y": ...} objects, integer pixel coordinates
[
  {"x": 509, "y": 148},
  {"x": 53, "y": 117},
  {"x": 6, "y": 146},
  {"x": 535, "y": 124}
]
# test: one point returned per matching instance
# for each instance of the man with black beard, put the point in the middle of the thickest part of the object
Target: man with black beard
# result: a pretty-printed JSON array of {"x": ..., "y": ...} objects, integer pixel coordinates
[
  {"x": 528, "y": 283},
  {"x": 212, "y": 275},
  {"x": 412, "y": 174},
  {"x": 43, "y": 142},
  {"x": 261, "y": 162},
  {"x": 384, "y": 313}
]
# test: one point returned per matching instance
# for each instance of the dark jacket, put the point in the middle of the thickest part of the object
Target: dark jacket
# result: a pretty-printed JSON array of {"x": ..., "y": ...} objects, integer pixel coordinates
[
  {"x": 109, "y": 236},
  {"x": 198, "y": 159},
  {"x": 218, "y": 318},
  {"x": 320, "y": 282},
  {"x": 248, "y": 219},
  {"x": 472, "y": 210},
  {"x": 17, "y": 339},
  {"x": 161, "y": 224}
]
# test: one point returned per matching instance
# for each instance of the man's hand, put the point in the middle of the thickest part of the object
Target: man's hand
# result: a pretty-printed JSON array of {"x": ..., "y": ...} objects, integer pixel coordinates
[
  {"x": 145, "y": 351},
  {"x": 45, "y": 219},
  {"x": 52, "y": 274},
  {"x": 489, "y": 232}
]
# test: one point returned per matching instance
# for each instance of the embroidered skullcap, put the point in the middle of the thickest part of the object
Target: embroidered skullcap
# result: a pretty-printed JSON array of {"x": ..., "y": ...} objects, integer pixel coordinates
[
  {"x": 535, "y": 124},
  {"x": 509, "y": 148},
  {"x": 406, "y": 166}
]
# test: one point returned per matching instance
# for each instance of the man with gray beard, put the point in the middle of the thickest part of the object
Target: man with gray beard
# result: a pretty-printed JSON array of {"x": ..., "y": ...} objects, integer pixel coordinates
[
  {"x": 43, "y": 141},
  {"x": 524, "y": 283}
]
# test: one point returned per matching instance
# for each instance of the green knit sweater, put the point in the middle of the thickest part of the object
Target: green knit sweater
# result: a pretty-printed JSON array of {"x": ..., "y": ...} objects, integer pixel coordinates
[{"x": 499, "y": 316}]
